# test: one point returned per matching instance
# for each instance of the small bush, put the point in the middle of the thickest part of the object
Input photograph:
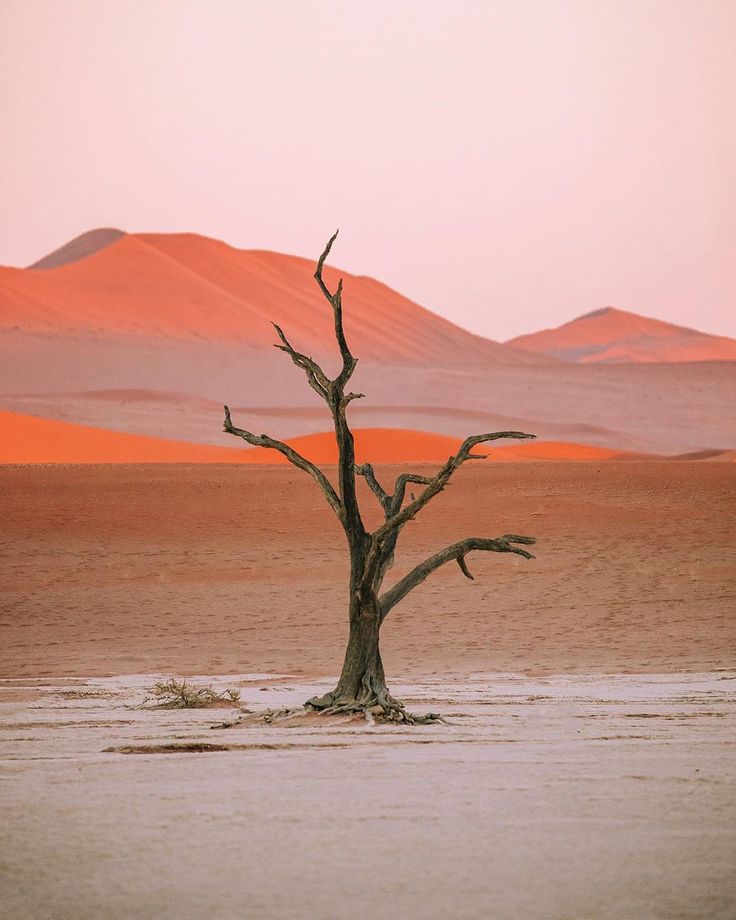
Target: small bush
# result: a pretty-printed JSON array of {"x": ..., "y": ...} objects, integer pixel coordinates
[{"x": 178, "y": 694}]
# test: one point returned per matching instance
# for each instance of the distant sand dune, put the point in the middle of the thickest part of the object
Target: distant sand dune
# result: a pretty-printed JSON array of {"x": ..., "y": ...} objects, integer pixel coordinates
[
  {"x": 611, "y": 336},
  {"x": 148, "y": 334},
  {"x": 189, "y": 287},
  {"x": 27, "y": 439}
]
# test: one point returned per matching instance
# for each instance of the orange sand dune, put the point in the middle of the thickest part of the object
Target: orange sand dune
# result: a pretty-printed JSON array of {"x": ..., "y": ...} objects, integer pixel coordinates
[
  {"x": 388, "y": 445},
  {"x": 185, "y": 286},
  {"x": 380, "y": 445},
  {"x": 551, "y": 450},
  {"x": 27, "y": 439},
  {"x": 611, "y": 336}
]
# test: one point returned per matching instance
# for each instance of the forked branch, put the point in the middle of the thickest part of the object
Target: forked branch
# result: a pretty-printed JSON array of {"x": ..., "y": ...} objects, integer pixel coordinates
[
  {"x": 390, "y": 503},
  {"x": 402, "y": 482},
  {"x": 320, "y": 265},
  {"x": 293, "y": 456},
  {"x": 369, "y": 474},
  {"x": 318, "y": 380},
  {"x": 333, "y": 392},
  {"x": 436, "y": 484},
  {"x": 456, "y": 552}
]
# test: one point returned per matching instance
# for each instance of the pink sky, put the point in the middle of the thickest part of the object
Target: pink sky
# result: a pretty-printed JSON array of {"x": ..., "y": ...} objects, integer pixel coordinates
[{"x": 509, "y": 165}]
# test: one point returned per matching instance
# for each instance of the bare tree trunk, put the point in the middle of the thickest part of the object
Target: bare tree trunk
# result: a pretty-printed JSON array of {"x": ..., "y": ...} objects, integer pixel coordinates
[
  {"x": 362, "y": 676},
  {"x": 362, "y": 680}
]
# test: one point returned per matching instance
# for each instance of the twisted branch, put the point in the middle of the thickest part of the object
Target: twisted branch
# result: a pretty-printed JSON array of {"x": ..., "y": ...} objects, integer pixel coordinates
[
  {"x": 439, "y": 481},
  {"x": 320, "y": 265},
  {"x": 348, "y": 361},
  {"x": 293, "y": 456},
  {"x": 402, "y": 482},
  {"x": 369, "y": 474},
  {"x": 318, "y": 380},
  {"x": 457, "y": 551},
  {"x": 391, "y": 503}
]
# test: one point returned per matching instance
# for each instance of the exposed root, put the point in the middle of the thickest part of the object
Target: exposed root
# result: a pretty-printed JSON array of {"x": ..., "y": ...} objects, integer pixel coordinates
[
  {"x": 329, "y": 710},
  {"x": 376, "y": 706}
]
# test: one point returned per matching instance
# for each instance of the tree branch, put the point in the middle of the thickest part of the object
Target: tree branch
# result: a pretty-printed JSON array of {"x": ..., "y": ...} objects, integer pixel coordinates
[
  {"x": 338, "y": 402},
  {"x": 293, "y": 456},
  {"x": 439, "y": 481},
  {"x": 348, "y": 361},
  {"x": 368, "y": 473},
  {"x": 457, "y": 551},
  {"x": 320, "y": 265},
  {"x": 402, "y": 481},
  {"x": 318, "y": 380},
  {"x": 391, "y": 503}
]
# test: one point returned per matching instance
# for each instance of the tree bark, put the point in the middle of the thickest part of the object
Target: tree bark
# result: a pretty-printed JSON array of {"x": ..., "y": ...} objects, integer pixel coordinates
[{"x": 362, "y": 682}]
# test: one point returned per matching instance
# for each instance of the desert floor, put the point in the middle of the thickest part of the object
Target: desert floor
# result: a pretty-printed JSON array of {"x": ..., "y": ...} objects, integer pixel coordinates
[{"x": 586, "y": 770}]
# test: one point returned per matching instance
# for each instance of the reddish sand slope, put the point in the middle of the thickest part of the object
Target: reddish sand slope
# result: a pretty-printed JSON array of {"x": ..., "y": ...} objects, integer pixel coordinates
[
  {"x": 27, "y": 439},
  {"x": 190, "y": 287},
  {"x": 617, "y": 336}
]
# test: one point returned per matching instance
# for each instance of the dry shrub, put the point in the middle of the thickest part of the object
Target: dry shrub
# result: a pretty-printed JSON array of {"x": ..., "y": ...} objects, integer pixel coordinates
[{"x": 178, "y": 694}]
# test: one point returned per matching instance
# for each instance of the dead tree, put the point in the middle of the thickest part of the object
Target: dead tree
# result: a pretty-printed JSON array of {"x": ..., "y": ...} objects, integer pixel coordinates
[{"x": 362, "y": 683}]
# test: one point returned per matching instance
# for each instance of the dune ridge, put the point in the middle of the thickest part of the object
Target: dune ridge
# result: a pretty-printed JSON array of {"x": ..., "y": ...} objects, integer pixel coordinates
[{"x": 612, "y": 336}]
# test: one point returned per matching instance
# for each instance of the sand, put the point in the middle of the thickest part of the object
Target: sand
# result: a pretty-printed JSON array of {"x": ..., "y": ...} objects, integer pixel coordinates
[
  {"x": 609, "y": 798},
  {"x": 226, "y": 569},
  {"x": 28, "y": 439},
  {"x": 178, "y": 388},
  {"x": 190, "y": 287},
  {"x": 615, "y": 336},
  {"x": 149, "y": 334},
  {"x": 586, "y": 770}
]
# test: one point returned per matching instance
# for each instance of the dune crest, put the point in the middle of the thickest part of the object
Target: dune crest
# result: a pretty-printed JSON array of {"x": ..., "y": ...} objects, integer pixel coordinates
[{"x": 82, "y": 246}]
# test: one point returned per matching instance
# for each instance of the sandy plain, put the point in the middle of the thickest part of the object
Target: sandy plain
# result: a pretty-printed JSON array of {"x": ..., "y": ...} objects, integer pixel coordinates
[{"x": 587, "y": 770}]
